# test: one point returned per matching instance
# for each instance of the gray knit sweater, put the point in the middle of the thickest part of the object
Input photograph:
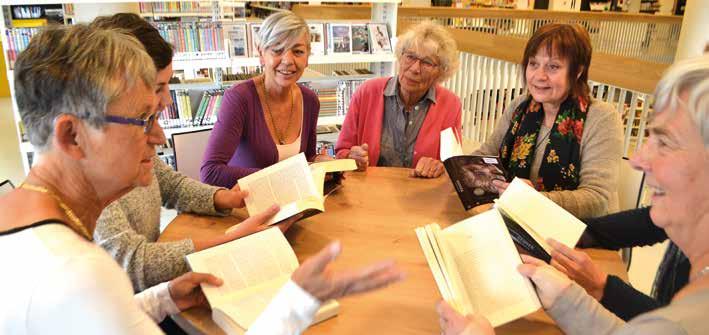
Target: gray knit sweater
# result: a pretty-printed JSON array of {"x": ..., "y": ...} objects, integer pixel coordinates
[
  {"x": 129, "y": 227},
  {"x": 601, "y": 155},
  {"x": 577, "y": 313}
]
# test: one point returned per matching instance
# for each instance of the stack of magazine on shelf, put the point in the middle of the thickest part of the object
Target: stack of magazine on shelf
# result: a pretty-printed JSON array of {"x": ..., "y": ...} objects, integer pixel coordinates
[
  {"x": 474, "y": 262},
  {"x": 325, "y": 38}
]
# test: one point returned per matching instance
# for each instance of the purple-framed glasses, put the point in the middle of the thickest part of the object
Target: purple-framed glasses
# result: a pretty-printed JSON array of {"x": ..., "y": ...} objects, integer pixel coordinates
[{"x": 147, "y": 124}]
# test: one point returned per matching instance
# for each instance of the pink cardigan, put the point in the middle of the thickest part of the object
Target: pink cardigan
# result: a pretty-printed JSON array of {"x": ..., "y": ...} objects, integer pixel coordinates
[{"x": 363, "y": 123}]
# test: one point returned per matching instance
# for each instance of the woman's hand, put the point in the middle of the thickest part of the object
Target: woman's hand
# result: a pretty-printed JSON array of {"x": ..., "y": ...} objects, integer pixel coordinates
[
  {"x": 315, "y": 277},
  {"x": 185, "y": 290},
  {"x": 228, "y": 199},
  {"x": 258, "y": 222},
  {"x": 428, "y": 167},
  {"x": 549, "y": 282},
  {"x": 578, "y": 266},
  {"x": 502, "y": 186},
  {"x": 361, "y": 156},
  {"x": 452, "y": 323}
]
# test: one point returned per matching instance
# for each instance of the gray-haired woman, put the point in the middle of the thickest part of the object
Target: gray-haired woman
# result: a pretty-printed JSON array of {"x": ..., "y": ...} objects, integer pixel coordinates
[
  {"x": 269, "y": 118},
  {"x": 397, "y": 121}
]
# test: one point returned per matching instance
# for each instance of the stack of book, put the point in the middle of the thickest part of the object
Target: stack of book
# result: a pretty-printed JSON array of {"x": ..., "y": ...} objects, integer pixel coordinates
[
  {"x": 181, "y": 114},
  {"x": 193, "y": 36},
  {"x": 174, "y": 7},
  {"x": 17, "y": 41},
  {"x": 345, "y": 90}
]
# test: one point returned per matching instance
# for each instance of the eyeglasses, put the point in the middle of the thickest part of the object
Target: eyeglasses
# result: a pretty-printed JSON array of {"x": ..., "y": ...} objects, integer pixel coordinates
[
  {"x": 147, "y": 124},
  {"x": 408, "y": 59}
]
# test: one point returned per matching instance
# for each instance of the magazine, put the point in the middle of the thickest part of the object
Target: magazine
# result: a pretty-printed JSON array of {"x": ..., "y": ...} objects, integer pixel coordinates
[
  {"x": 379, "y": 37},
  {"x": 360, "y": 39}
]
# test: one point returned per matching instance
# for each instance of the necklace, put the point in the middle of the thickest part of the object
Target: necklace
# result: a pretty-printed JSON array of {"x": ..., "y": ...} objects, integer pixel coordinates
[
  {"x": 75, "y": 223},
  {"x": 281, "y": 136},
  {"x": 542, "y": 143}
]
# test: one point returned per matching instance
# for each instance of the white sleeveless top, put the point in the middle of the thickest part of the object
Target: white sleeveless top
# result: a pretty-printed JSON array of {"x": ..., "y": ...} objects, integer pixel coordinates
[{"x": 291, "y": 149}]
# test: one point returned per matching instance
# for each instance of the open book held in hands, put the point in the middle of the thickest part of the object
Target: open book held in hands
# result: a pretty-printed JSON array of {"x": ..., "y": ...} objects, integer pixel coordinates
[
  {"x": 253, "y": 268},
  {"x": 471, "y": 175},
  {"x": 292, "y": 184},
  {"x": 532, "y": 218},
  {"x": 474, "y": 263}
]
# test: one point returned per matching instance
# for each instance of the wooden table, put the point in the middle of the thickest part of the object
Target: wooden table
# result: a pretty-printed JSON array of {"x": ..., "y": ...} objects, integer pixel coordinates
[{"x": 374, "y": 216}]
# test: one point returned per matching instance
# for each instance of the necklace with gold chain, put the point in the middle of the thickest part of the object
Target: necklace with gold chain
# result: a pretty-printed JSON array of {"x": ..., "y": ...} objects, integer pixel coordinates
[
  {"x": 74, "y": 223},
  {"x": 281, "y": 137}
]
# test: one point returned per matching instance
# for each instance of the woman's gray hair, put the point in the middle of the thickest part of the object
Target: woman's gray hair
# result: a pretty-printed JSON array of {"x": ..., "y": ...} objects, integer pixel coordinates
[
  {"x": 422, "y": 34},
  {"x": 76, "y": 70},
  {"x": 689, "y": 77},
  {"x": 281, "y": 30}
]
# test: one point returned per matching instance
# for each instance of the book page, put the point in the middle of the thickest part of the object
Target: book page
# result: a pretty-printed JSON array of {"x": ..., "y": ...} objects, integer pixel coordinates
[
  {"x": 542, "y": 216},
  {"x": 283, "y": 183},
  {"x": 436, "y": 265},
  {"x": 459, "y": 299},
  {"x": 449, "y": 144},
  {"x": 243, "y": 263},
  {"x": 487, "y": 262}
]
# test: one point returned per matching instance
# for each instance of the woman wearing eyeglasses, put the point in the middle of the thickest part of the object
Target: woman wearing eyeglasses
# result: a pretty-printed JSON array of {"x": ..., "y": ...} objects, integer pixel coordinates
[
  {"x": 397, "y": 121},
  {"x": 556, "y": 137}
]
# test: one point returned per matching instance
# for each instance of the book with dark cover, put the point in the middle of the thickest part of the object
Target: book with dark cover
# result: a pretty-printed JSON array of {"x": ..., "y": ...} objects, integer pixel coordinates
[{"x": 472, "y": 178}]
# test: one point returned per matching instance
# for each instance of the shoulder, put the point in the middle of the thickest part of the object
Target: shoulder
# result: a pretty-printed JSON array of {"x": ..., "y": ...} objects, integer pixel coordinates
[
  {"x": 602, "y": 115},
  {"x": 686, "y": 315},
  {"x": 309, "y": 96},
  {"x": 374, "y": 84},
  {"x": 445, "y": 95},
  {"x": 243, "y": 90}
]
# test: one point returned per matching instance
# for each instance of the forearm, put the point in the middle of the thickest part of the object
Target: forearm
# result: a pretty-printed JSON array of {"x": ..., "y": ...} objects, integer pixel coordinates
[
  {"x": 156, "y": 302},
  {"x": 582, "y": 202},
  {"x": 219, "y": 174},
  {"x": 625, "y": 301},
  {"x": 577, "y": 313},
  {"x": 625, "y": 229}
]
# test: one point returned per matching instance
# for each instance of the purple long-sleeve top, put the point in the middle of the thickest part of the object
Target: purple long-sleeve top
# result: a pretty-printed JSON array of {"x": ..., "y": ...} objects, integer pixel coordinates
[{"x": 241, "y": 144}]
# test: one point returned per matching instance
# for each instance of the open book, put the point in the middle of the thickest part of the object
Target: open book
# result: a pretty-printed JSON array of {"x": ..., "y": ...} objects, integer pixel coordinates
[
  {"x": 471, "y": 175},
  {"x": 293, "y": 185},
  {"x": 254, "y": 268},
  {"x": 532, "y": 218},
  {"x": 474, "y": 263}
]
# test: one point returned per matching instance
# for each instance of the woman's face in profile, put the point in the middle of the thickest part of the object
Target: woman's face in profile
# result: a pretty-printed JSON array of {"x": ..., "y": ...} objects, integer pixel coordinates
[{"x": 547, "y": 77}]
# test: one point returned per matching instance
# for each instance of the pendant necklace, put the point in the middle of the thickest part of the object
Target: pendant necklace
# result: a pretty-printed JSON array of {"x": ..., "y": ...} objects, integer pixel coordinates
[{"x": 281, "y": 136}]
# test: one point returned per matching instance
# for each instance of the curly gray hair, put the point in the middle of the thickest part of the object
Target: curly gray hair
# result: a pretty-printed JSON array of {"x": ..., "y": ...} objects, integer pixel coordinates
[
  {"x": 428, "y": 32},
  {"x": 689, "y": 77},
  {"x": 76, "y": 70}
]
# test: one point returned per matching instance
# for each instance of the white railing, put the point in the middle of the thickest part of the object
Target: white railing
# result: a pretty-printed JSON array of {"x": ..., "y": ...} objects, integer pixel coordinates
[
  {"x": 647, "y": 41},
  {"x": 486, "y": 86}
]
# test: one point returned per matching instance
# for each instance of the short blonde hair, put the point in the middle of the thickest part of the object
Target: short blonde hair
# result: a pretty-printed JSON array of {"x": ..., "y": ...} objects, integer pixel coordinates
[
  {"x": 76, "y": 70},
  {"x": 281, "y": 30},
  {"x": 428, "y": 31}
]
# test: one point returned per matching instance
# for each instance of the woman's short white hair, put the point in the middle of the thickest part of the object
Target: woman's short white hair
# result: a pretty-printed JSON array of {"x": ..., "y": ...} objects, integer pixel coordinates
[
  {"x": 281, "y": 30},
  {"x": 424, "y": 33},
  {"x": 689, "y": 77}
]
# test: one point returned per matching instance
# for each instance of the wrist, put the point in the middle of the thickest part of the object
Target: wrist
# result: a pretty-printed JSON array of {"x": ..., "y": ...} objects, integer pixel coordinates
[{"x": 600, "y": 288}]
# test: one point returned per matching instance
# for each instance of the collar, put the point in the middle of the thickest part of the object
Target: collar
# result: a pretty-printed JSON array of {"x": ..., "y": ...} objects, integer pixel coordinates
[{"x": 392, "y": 88}]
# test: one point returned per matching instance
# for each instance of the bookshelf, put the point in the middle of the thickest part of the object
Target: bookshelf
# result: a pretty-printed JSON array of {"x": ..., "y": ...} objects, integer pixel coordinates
[{"x": 333, "y": 90}]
